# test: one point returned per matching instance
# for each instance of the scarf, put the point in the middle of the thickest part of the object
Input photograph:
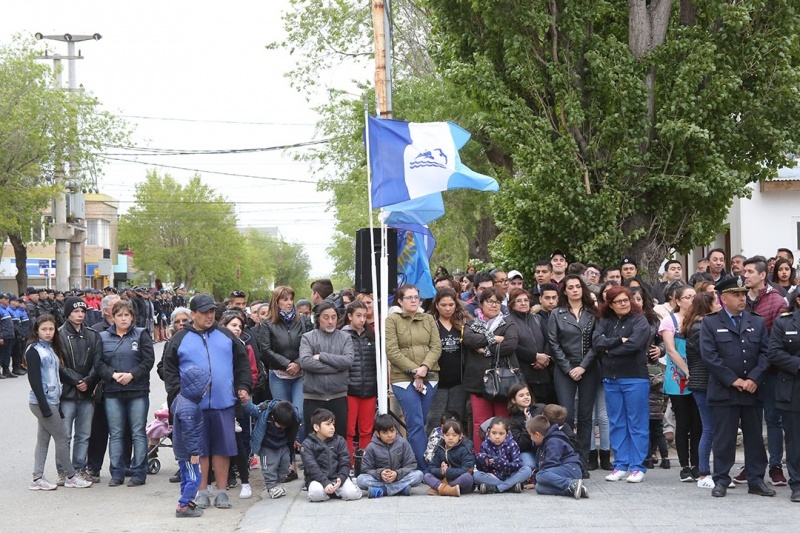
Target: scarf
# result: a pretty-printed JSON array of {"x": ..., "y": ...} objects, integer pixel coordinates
[{"x": 288, "y": 317}]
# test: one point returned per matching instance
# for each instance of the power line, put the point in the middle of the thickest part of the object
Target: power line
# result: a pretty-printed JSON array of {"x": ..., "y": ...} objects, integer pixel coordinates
[
  {"x": 287, "y": 180},
  {"x": 176, "y": 151},
  {"x": 276, "y": 202},
  {"x": 175, "y": 119}
]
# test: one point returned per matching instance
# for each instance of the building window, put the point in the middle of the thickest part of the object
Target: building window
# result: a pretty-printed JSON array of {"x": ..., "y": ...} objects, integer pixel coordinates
[{"x": 97, "y": 233}]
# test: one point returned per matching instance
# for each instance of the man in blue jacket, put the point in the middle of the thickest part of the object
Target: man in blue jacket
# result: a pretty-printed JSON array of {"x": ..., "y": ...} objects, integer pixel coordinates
[
  {"x": 733, "y": 345},
  {"x": 202, "y": 343}
]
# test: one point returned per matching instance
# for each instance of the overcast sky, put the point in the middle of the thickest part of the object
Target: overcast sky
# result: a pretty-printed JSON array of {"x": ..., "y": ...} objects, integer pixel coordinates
[{"x": 206, "y": 63}]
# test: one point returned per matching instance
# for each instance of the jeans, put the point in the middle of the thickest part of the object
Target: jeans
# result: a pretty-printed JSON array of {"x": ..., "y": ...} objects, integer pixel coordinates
[
  {"x": 190, "y": 482},
  {"x": 412, "y": 479},
  {"x": 556, "y": 481},
  {"x": 774, "y": 420},
  {"x": 483, "y": 410},
  {"x": 130, "y": 413},
  {"x": 600, "y": 420},
  {"x": 528, "y": 459},
  {"x": 451, "y": 399},
  {"x": 707, "y": 436},
  {"x": 627, "y": 402},
  {"x": 415, "y": 407},
  {"x": 465, "y": 482},
  {"x": 290, "y": 390},
  {"x": 586, "y": 388},
  {"x": 520, "y": 476},
  {"x": 78, "y": 413},
  {"x": 361, "y": 413},
  {"x": 51, "y": 427}
]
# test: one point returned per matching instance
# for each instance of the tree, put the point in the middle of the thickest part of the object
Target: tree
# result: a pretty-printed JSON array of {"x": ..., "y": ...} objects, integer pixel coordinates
[
  {"x": 186, "y": 233},
  {"x": 268, "y": 262},
  {"x": 42, "y": 132},
  {"x": 628, "y": 127}
]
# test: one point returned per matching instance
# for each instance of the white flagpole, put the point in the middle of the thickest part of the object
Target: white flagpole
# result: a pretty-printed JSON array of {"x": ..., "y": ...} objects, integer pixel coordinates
[
  {"x": 380, "y": 353},
  {"x": 383, "y": 369}
]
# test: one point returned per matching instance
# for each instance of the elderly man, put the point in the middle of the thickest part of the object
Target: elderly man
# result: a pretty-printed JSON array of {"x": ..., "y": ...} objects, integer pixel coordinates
[
  {"x": 733, "y": 345},
  {"x": 204, "y": 344}
]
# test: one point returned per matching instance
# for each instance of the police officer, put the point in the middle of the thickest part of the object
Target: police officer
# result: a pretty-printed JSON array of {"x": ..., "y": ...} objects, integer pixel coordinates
[
  {"x": 733, "y": 345},
  {"x": 784, "y": 354}
]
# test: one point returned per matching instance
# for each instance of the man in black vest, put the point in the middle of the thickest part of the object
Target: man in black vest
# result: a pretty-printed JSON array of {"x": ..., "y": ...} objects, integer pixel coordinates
[{"x": 733, "y": 344}]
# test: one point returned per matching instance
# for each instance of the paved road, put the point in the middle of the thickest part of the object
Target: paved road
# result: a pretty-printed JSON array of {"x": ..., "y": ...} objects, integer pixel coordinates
[{"x": 660, "y": 503}]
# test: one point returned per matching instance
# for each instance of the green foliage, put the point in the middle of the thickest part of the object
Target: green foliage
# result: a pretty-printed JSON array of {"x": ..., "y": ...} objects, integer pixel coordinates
[
  {"x": 601, "y": 165},
  {"x": 187, "y": 234}
]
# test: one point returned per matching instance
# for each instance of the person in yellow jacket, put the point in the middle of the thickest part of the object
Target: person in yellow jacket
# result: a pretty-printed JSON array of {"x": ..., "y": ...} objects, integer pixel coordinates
[{"x": 413, "y": 347}]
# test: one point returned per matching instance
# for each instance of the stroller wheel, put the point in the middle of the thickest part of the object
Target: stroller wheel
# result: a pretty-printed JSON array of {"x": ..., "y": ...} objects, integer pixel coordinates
[{"x": 153, "y": 466}]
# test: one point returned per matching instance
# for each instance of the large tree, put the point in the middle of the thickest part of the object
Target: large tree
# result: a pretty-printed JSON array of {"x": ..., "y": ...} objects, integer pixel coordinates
[
  {"x": 184, "y": 233},
  {"x": 268, "y": 262},
  {"x": 628, "y": 127},
  {"x": 44, "y": 132}
]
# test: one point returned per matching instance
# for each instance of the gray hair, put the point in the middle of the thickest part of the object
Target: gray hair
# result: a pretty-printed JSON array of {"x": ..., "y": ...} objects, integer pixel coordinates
[
  {"x": 179, "y": 311},
  {"x": 108, "y": 302}
]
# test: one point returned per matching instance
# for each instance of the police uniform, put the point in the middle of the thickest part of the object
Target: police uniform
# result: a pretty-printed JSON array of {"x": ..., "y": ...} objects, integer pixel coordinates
[
  {"x": 784, "y": 354},
  {"x": 736, "y": 348}
]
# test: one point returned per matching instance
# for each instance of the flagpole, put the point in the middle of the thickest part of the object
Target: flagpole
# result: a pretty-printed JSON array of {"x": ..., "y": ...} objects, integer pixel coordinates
[{"x": 380, "y": 356}]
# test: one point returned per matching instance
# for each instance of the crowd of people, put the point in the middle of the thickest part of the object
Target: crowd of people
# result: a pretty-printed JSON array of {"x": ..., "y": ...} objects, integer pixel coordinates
[{"x": 600, "y": 371}]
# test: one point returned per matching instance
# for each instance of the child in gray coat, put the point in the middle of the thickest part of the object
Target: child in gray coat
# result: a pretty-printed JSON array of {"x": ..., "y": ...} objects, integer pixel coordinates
[{"x": 389, "y": 465}]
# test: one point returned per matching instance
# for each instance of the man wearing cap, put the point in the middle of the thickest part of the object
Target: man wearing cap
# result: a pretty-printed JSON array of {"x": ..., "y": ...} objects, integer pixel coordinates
[
  {"x": 559, "y": 263},
  {"x": 204, "y": 344},
  {"x": 628, "y": 268},
  {"x": 32, "y": 308},
  {"x": 515, "y": 280},
  {"x": 733, "y": 345},
  {"x": 22, "y": 328},
  {"x": 82, "y": 347},
  {"x": 7, "y": 338}
]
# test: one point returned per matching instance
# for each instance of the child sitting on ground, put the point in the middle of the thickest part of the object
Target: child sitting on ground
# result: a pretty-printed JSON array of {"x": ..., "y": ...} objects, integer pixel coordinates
[
  {"x": 436, "y": 434},
  {"x": 272, "y": 439},
  {"x": 450, "y": 471},
  {"x": 558, "y": 467},
  {"x": 389, "y": 467},
  {"x": 499, "y": 463},
  {"x": 188, "y": 436},
  {"x": 557, "y": 416},
  {"x": 521, "y": 408},
  {"x": 326, "y": 461}
]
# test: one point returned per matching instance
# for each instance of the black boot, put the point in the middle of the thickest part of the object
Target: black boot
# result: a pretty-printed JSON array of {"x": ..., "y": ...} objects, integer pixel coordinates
[
  {"x": 605, "y": 460},
  {"x": 592, "y": 460}
]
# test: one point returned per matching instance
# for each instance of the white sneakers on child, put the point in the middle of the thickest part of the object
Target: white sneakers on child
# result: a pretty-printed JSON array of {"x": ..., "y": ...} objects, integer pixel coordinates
[
  {"x": 637, "y": 476},
  {"x": 705, "y": 483},
  {"x": 41, "y": 484},
  {"x": 246, "y": 493},
  {"x": 77, "y": 482},
  {"x": 617, "y": 475},
  {"x": 277, "y": 492}
]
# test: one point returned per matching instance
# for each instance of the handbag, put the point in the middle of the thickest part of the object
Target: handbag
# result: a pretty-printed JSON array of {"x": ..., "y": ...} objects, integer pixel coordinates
[{"x": 498, "y": 379}]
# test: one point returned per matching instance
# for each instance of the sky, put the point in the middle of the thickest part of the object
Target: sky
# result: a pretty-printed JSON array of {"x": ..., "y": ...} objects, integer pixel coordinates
[{"x": 206, "y": 64}]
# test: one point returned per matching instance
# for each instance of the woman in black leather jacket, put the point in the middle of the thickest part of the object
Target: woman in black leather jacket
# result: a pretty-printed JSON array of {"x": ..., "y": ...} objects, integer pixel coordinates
[{"x": 569, "y": 332}]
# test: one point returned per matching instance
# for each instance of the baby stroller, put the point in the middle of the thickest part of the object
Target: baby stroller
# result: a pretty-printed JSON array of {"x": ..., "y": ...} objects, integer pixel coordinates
[{"x": 158, "y": 431}]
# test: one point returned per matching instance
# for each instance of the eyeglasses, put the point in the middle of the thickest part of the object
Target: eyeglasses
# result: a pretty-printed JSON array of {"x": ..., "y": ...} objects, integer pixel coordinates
[
  {"x": 522, "y": 301},
  {"x": 493, "y": 303},
  {"x": 687, "y": 297},
  {"x": 502, "y": 281},
  {"x": 621, "y": 301},
  {"x": 411, "y": 298},
  {"x": 181, "y": 321},
  {"x": 592, "y": 273}
]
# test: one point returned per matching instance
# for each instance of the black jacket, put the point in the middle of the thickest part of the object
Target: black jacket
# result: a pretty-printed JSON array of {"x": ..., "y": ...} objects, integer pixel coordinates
[
  {"x": 325, "y": 461},
  {"x": 363, "y": 379},
  {"x": 570, "y": 339},
  {"x": 279, "y": 345},
  {"x": 623, "y": 359},
  {"x": 698, "y": 371},
  {"x": 132, "y": 353},
  {"x": 80, "y": 352},
  {"x": 518, "y": 430},
  {"x": 784, "y": 354},
  {"x": 731, "y": 353},
  {"x": 477, "y": 363},
  {"x": 532, "y": 331}
]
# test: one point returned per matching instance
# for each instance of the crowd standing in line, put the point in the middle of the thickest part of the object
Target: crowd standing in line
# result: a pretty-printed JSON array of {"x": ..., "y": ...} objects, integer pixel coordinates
[{"x": 579, "y": 348}]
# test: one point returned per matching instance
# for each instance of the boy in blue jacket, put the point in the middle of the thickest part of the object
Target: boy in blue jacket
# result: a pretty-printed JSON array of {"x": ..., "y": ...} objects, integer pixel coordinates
[
  {"x": 273, "y": 437},
  {"x": 558, "y": 467},
  {"x": 188, "y": 436}
]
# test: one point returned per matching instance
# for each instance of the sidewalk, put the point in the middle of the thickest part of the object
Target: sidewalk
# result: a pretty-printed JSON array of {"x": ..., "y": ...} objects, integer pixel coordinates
[{"x": 660, "y": 503}]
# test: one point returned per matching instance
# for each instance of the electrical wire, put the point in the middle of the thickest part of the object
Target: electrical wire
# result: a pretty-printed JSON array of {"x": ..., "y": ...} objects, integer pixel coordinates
[
  {"x": 161, "y": 165},
  {"x": 175, "y": 151},
  {"x": 175, "y": 119}
]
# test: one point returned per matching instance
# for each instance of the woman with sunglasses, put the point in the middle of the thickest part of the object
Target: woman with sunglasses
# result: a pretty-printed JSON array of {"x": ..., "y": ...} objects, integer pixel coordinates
[
  {"x": 413, "y": 347},
  {"x": 487, "y": 336},
  {"x": 622, "y": 340}
]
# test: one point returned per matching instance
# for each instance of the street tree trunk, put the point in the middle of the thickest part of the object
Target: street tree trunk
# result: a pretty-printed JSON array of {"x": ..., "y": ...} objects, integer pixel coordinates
[{"x": 21, "y": 256}]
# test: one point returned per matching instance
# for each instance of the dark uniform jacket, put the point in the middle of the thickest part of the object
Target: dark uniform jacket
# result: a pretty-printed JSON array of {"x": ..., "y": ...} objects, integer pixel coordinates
[
  {"x": 784, "y": 354},
  {"x": 732, "y": 353}
]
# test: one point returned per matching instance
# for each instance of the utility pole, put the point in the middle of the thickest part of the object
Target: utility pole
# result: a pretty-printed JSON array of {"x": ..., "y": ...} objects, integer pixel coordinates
[
  {"x": 68, "y": 269},
  {"x": 383, "y": 56}
]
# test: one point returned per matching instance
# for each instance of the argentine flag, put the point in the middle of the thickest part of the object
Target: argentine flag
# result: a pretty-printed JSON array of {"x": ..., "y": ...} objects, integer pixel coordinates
[{"x": 410, "y": 160}]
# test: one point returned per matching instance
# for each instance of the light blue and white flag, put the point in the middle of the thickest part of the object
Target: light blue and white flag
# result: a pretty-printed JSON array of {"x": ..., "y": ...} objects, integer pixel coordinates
[
  {"x": 414, "y": 249},
  {"x": 420, "y": 211},
  {"x": 410, "y": 160}
]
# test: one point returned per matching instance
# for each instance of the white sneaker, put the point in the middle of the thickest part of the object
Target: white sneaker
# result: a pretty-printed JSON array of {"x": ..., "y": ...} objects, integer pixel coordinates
[
  {"x": 42, "y": 484},
  {"x": 637, "y": 476},
  {"x": 246, "y": 493},
  {"x": 616, "y": 475},
  {"x": 77, "y": 482},
  {"x": 237, "y": 427},
  {"x": 705, "y": 483}
]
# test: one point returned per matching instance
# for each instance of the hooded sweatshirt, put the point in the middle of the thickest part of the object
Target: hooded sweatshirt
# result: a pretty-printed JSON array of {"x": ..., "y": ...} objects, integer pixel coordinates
[{"x": 188, "y": 433}]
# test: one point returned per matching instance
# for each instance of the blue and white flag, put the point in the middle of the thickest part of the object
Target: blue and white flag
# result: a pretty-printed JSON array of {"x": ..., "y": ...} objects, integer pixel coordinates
[
  {"x": 409, "y": 160},
  {"x": 419, "y": 211},
  {"x": 414, "y": 249}
]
